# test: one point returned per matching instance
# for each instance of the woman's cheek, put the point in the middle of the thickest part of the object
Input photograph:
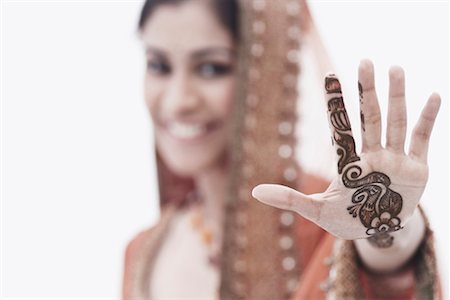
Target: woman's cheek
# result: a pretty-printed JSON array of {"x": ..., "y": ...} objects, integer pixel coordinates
[
  {"x": 222, "y": 97},
  {"x": 152, "y": 94}
]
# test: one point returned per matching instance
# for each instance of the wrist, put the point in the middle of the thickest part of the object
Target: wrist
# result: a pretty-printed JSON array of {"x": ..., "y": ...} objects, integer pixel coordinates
[{"x": 405, "y": 243}]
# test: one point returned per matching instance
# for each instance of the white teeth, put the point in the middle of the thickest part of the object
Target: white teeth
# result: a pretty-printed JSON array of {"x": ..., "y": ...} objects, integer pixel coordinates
[{"x": 186, "y": 131}]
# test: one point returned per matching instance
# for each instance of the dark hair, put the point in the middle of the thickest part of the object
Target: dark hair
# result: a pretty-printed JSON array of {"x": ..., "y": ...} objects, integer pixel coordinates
[{"x": 227, "y": 12}]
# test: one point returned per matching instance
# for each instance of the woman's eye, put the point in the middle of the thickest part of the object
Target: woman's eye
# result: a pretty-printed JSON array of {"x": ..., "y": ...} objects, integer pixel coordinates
[
  {"x": 157, "y": 68},
  {"x": 210, "y": 70}
]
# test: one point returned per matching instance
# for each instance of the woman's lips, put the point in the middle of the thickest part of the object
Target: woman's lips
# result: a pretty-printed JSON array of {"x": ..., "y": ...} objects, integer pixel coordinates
[{"x": 189, "y": 131}]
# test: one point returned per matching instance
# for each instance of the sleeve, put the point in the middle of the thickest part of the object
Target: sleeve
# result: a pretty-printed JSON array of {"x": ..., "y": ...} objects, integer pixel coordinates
[
  {"x": 417, "y": 280},
  {"x": 132, "y": 263},
  {"x": 335, "y": 272},
  {"x": 140, "y": 254}
]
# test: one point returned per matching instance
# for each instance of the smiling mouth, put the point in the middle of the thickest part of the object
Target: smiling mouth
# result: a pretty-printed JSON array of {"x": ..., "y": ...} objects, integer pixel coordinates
[{"x": 188, "y": 131}]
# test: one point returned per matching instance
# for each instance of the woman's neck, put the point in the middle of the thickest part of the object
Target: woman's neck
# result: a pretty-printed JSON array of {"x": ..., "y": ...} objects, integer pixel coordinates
[{"x": 211, "y": 185}]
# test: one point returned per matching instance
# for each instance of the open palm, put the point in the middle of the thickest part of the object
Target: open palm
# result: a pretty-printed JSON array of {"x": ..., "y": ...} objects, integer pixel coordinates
[{"x": 376, "y": 191}]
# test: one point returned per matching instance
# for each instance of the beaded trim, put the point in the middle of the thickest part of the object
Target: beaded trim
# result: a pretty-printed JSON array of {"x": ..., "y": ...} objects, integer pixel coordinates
[{"x": 253, "y": 267}]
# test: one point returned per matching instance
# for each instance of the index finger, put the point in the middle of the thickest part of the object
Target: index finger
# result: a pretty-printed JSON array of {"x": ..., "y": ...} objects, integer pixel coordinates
[{"x": 341, "y": 131}]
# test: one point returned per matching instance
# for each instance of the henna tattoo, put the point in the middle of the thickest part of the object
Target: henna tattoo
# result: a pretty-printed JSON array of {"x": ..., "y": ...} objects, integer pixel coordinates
[
  {"x": 373, "y": 202},
  {"x": 360, "y": 89},
  {"x": 338, "y": 115},
  {"x": 381, "y": 240},
  {"x": 376, "y": 205},
  {"x": 339, "y": 121},
  {"x": 332, "y": 85},
  {"x": 347, "y": 152},
  {"x": 361, "y": 115}
]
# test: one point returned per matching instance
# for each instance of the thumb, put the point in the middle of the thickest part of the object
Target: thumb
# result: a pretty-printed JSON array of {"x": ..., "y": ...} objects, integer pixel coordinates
[{"x": 284, "y": 197}]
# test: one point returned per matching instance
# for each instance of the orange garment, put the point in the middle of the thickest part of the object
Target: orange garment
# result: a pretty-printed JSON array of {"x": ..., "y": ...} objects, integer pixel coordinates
[{"x": 316, "y": 247}]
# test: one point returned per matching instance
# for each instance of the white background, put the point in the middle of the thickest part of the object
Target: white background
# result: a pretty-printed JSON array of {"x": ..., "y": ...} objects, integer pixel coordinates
[{"x": 77, "y": 174}]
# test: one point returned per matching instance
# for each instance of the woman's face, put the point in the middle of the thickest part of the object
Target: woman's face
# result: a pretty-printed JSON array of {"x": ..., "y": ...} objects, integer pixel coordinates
[{"x": 189, "y": 85}]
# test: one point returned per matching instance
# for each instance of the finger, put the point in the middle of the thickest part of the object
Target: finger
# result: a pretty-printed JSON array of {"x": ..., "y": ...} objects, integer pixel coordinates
[
  {"x": 341, "y": 131},
  {"x": 370, "y": 110},
  {"x": 421, "y": 133},
  {"x": 396, "y": 120},
  {"x": 286, "y": 198}
]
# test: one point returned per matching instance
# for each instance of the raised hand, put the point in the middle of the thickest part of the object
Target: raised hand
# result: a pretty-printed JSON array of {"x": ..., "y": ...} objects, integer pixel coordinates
[{"x": 377, "y": 191}]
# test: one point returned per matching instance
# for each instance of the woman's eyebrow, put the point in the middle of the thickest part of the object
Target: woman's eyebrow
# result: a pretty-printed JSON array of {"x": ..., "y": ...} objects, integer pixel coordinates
[
  {"x": 156, "y": 52},
  {"x": 212, "y": 51}
]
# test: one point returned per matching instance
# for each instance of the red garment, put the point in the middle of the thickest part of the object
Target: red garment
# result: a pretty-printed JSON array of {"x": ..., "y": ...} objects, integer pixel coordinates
[{"x": 316, "y": 246}]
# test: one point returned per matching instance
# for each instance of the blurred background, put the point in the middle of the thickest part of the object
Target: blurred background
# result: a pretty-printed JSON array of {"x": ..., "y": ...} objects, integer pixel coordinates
[{"x": 77, "y": 169}]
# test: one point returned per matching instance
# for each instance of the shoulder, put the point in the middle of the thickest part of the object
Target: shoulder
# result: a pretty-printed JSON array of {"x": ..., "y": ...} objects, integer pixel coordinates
[
  {"x": 136, "y": 242},
  {"x": 139, "y": 251},
  {"x": 142, "y": 238}
]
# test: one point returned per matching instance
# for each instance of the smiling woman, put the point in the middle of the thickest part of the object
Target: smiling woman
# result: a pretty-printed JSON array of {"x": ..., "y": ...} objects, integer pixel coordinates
[
  {"x": 189, "y": 85},
  {"x": 79, "y": 174},
  {"x": 189, "y": 91},
  {"x": 213, "y": 240}
]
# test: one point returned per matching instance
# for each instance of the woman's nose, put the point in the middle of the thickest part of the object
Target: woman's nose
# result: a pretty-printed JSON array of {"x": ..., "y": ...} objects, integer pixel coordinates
[{"x": 180, "y": 97}]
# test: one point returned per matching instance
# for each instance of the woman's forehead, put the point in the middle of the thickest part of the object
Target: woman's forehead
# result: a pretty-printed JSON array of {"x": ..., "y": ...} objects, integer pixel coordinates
[{"x": 188, "y": 27}]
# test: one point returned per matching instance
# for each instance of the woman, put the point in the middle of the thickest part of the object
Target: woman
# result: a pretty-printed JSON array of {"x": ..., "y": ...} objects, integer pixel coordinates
[{"x": 213, "y": 240}]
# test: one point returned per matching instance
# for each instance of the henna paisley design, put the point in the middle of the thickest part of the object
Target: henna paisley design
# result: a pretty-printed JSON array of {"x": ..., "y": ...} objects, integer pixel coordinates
[
  {"x": 373, "y": 202},
  {"x": 376, "y": 205},
  {"x": 347, "y": 152},
  {"x": 338, "y": 115},
  {"x": 339, "y": 121}
]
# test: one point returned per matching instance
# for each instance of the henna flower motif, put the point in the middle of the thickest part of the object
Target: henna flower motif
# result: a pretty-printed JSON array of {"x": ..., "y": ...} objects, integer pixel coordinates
[{"x": 384, "y": 223}]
